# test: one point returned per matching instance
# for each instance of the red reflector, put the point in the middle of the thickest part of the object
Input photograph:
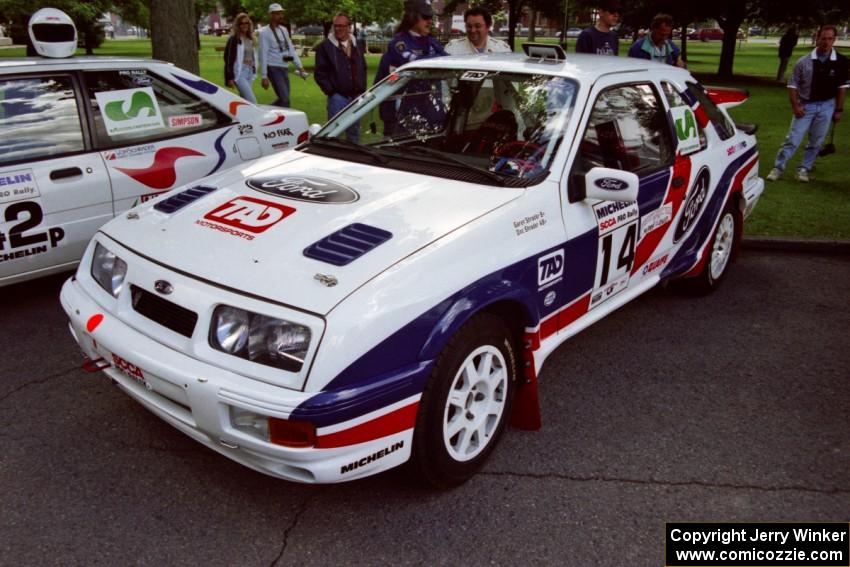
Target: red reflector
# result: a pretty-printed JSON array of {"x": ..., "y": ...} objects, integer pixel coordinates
[
  {"x": 302, "y": 137},
  {"x": 291, "y": 433}
]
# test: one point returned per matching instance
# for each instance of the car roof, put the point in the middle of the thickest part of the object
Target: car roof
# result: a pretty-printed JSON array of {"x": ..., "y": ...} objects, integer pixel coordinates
[
  {"x": 26, "y": 64},
  {"x": 580, "y": 66}
]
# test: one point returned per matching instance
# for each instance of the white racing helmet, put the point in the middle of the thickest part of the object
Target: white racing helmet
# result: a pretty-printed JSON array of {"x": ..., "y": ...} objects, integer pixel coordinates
[{"x": 53, "y": 33}]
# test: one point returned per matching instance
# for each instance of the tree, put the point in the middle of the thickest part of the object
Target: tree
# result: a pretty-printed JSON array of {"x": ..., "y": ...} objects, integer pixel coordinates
[{"x": 173, "y": 33}]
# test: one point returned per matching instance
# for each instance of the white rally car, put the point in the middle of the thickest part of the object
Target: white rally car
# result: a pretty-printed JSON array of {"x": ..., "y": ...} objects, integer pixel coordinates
[
  {"x": 86, "y": 138},
  {"x": 351, "y": 306}
]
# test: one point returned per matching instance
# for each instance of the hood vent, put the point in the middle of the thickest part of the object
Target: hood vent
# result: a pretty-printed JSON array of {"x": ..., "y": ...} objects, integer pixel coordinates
[
  {"x": 347, "y": 244},
  {"x": 183, "y": 198}
]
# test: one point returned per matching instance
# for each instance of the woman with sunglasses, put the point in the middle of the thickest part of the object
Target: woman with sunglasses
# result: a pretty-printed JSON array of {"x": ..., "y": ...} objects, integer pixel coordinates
[
  {"x": 240, "y": 58},
  {"x": 412, "y": 41}
]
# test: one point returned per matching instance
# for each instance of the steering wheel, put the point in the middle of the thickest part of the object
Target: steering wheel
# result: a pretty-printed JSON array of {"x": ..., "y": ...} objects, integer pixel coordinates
[{"x": 517, "y": 158}]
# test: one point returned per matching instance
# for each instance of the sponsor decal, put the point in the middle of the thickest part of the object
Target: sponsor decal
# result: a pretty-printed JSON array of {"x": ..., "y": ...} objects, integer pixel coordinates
[
  {"x": 657, "y": 218},
  {"x": 654, "y": 264},
  {"x": 693, "y": 205},
  {"x": 245, "y": 129},
  {"x": 371, "y": 458},
  {"x": 304, "y": 188},
  {"x": 219, "y": 148},
  {"x": 476, "y": 76},
  {"x": 686, "y": 129},
  {"x": 280, "y": 146},
  {"x": 529, "y": 223},
  {"x": 550, "y": 269},
  {"x": 21, "y": 241},
  {"x": 149, "y": 197},
  {"x": 184, "y": 121},
  {"x": 139, "y": 77},
  {"x": 732, "y": 150},
  {"x": 161, "y": 173},
  {"x": 549, "y": 299},
  {"x": 613, "y": 214},
  {"x": 245, "y": 216},
  {"x": 199, "y": 84},
  {"x": 129, "y": 110},
  {"x": 611, "y": 184},
  {"x": 132, "y": 151},
  {"x": 128, "y": 368},
  {"x": 609, "y": 290},
  {"x": 17, "y": 185},
  {"x": 279, "y": 133}
]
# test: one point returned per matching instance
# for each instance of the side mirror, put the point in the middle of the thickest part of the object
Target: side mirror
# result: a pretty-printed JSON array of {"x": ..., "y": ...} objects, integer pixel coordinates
[
  {"x": 314, "y": 129},
  {"x": 608, "y": 184}
]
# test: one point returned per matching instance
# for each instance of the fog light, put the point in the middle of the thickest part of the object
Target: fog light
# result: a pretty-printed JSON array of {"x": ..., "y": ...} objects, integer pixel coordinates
[
  {"x": 291, "y": 433},
  {"x": 253, "y": 424}
]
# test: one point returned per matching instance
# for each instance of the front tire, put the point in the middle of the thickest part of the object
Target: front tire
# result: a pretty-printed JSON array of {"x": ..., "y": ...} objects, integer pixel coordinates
[{"x": 466, "y": 403}]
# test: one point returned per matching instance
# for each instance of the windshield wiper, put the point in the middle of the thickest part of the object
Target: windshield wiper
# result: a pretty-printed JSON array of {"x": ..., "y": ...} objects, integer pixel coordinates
[
  {"x": 349, "y": 145},
  {"x": 443, "y": 156}
]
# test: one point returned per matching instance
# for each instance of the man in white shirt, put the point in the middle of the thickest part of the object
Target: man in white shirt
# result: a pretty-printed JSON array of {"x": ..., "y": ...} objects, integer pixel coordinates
[
  {"x": 276, "y": 52},
  {"x": 478, "y": 23}
]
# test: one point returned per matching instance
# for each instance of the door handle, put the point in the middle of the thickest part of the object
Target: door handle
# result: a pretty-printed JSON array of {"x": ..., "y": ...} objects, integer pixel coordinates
[
  {"x": 65, "y": 173},
  {"x": 678, "y": 182}
]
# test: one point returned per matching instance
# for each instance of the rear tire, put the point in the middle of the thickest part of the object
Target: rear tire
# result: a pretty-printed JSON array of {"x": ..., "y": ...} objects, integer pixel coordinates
[
  {"x": 721, "y": 251},
  {"x": 466, "y": 403}
]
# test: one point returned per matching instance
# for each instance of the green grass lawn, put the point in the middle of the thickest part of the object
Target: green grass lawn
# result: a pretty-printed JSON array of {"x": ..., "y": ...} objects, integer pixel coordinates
[{"x": 820, "y": 209}]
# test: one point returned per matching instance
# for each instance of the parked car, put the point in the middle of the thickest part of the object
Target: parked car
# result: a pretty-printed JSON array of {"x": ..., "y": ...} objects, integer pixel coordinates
[
  {"x": 86, "y": 138},
  {"x": 343, "y": 308},
  {"x": 311, "y": 30}
]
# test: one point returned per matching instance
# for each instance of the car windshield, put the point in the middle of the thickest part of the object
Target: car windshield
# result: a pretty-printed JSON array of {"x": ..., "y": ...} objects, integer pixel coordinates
[{"x": 479, "y": 126}]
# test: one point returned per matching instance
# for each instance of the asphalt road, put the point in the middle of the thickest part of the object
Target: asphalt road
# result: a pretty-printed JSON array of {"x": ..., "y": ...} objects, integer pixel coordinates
[{"x": 726, "y": 408}]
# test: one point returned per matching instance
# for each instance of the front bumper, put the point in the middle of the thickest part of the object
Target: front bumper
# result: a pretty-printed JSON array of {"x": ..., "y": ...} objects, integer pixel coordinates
[{"x": 196, "y": 397}]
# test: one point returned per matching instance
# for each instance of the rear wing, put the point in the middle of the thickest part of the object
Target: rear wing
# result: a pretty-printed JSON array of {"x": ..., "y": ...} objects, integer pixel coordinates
[{"x": 727, "y": 97}]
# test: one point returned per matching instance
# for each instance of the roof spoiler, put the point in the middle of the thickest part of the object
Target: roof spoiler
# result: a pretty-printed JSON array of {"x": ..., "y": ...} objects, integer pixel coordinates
[{"x": 544, "y": 51}]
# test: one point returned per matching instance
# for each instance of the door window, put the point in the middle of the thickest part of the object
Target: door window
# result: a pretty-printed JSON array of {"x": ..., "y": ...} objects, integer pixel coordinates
[
  {"x": 724, "y": 127},
  {"x": 133, "y": 105},
  {"x": 39, "y": 119},
  {"x": 628, "y": 130}
]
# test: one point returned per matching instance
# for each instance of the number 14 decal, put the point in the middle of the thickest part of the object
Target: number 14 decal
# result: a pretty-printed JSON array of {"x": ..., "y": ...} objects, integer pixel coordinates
[{"x": 616, "y": 254}]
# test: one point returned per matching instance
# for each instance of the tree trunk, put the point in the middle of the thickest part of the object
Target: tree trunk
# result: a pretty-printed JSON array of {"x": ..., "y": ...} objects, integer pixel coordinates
[
  {"x": 173, "y": 32},
  {"x": 727, "y": 54},
  {"x": 684, "y": 42},
  {"x": 514, "y": 10},
  {"x": 532, "y": 22}
]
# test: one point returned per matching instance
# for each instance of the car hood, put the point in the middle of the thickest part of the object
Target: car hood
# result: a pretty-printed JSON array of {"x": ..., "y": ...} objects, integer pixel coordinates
[{"x": 254, "y": 240}]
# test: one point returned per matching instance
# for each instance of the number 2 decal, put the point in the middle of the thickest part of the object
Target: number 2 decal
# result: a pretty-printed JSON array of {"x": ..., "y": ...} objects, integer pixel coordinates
[{"x": 32, "y": 217}]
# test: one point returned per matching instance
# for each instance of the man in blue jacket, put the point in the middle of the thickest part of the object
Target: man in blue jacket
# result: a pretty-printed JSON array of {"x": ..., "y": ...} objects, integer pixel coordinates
[
  {"x": 341, "y": 70},
  {"x": 411, "y": 42},
  {"x": 656, "y": 45}
]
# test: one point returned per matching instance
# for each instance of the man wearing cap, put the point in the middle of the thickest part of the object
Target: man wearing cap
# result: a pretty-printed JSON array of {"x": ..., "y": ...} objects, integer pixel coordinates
[
  {"x": 411, "y": 42},
  {"x": 478, "y": 22},
  {"x": 276, "y": 52},
  {"x": 600, "y": 39}
]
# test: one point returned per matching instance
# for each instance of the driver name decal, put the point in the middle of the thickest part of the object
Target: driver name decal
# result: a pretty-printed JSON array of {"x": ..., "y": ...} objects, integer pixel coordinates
[
  {"x": 16, "y": 185},
  {"x": 304, "y": 188}
]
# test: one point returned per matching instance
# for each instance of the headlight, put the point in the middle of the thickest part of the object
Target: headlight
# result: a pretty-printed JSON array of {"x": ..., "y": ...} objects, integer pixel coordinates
[
  {"x": 108, "y": 270},
  {"x": 264, "y": 340}
]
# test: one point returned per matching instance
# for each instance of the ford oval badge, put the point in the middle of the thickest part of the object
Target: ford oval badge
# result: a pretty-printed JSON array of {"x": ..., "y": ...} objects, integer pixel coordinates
[
  {"x": 611, "y": 184},
  {"x": 163, "y": 287},
  {"x": 304, "y": 188}
]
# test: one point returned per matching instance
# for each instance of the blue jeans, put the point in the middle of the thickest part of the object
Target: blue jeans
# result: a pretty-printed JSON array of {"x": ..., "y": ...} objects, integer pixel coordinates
[
  {"x": 245, "y": 84},
  {"x": 279, "y": 78},
  {"x": 816, "y": 122},
  {"x": 337, "y": 102}
]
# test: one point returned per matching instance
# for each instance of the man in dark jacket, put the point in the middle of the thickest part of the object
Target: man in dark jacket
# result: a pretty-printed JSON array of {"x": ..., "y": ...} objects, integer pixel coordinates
[
  {"x": 656, "y": 45},
  {"x": 786, "y": 47},
  {"x": 341, "y": 70}
]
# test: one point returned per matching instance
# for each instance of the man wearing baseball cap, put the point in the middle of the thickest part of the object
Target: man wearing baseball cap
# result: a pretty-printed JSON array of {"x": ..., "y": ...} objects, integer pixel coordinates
[
  {"x": 276, "y": 52},
  {"x": 412, "y": 41},
  {"x": 600, "y": 39}
]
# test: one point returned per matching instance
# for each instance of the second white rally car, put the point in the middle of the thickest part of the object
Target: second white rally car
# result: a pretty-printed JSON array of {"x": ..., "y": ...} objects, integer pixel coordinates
[
  {"x": 356, "y": 305},
  {"x": 86, "y": 138}
]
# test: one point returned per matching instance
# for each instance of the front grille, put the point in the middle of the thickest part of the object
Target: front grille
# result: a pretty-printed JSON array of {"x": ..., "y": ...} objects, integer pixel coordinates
[{"x": 168, "y": 314}]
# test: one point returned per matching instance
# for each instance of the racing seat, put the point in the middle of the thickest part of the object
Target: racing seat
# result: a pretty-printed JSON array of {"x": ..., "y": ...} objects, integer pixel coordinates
[{"x": 499, "y": 128}]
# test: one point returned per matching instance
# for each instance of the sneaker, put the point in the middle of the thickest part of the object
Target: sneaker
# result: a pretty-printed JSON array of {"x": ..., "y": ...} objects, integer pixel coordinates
[
  {"x": 774, "y": 174},
  {"x": 802, "y": 175}
]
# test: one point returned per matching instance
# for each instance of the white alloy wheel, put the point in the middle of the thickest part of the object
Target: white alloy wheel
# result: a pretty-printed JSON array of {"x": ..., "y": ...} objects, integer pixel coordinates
[
  {"x": 721, "y": 250},
  {"x": 475, "y": 403}
]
